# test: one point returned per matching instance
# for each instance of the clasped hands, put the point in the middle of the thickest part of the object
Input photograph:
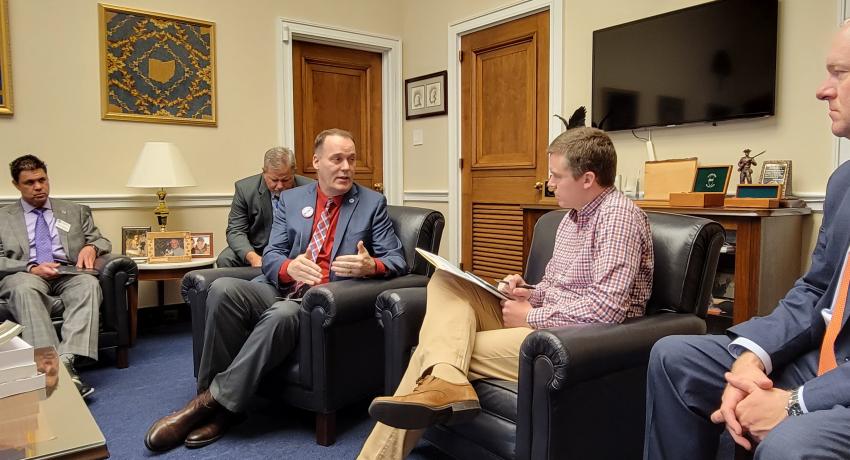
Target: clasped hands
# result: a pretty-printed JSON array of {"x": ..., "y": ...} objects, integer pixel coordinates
[
  {"x": 750, "y": 406},
  {"x": 351, "y": 266},
  {"x": 515, "y": 312},
  {"x": 50, "y": 270}
]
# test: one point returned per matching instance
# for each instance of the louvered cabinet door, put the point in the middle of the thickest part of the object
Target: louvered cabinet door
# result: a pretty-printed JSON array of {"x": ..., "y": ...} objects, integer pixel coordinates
[
  {"x": 504, "y": 135},
  {"x": 497, "y": 240}
]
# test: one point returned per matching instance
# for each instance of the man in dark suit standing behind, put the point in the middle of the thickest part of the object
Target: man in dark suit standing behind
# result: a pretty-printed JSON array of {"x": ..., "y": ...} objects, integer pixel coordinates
[
  {"x": 781, "y": 382},
  {"x": 252, "y": 210},
  {"x": 37, "y": 235},
  {"x": 329, "y": 230}
]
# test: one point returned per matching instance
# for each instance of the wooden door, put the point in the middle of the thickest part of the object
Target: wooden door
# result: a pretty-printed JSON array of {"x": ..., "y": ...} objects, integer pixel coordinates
[
  {"x": 504, "y": 131},
  {"x": 336, "y": 87}
]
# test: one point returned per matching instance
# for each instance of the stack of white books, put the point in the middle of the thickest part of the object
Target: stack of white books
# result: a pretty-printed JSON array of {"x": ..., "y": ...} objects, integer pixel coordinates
[{"x": 18, "y": 372}]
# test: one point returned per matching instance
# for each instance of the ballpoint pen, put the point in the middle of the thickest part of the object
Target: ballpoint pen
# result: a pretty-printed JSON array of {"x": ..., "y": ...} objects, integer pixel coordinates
[{"x": 524, "y": 286}]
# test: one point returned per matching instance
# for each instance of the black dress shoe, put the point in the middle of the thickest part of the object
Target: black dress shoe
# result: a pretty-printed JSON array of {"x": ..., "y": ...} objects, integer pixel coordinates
[
  {"x": 171, "y": 430},
  {"x": 212, "y": 431},
  {"x": 85, "y": 389}
]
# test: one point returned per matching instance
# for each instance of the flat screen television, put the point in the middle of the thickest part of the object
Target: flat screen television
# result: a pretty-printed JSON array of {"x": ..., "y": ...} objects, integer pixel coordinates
[{"x": 711, "y": 62}]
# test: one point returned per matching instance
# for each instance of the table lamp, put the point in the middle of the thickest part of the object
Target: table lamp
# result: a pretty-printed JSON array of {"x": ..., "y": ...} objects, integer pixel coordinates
[{"x": 160, "y": 165}]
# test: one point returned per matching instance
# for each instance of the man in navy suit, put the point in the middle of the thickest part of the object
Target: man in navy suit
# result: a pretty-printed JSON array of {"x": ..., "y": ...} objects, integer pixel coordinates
[
  {"x": 780, "y": 383},
  {"x": 330, "y": 230}
]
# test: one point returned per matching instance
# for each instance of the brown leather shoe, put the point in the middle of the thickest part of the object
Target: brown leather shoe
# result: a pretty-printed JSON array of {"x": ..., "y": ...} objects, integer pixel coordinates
[
  {"x": 433, "y": 401},
  {"x": 212, "y": 430},
  {"x": 171, "y": 430}
]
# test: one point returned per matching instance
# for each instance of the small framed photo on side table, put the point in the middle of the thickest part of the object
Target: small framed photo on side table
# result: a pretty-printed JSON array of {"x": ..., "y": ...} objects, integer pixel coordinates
[
  {"x": 202, "y": 245},
  {"x": 134, "y": 242},
  {"x": 165, "y": 247}
]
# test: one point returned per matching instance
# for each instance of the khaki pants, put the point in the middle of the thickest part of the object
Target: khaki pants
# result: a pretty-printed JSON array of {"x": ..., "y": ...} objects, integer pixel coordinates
[{"x": 463, "y": 328}]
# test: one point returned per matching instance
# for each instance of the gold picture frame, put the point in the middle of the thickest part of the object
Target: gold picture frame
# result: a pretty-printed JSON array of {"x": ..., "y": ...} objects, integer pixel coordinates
[
  {"x": 777, "y": 172},
  {"x": 167, "y": 80},
  {"x": 6, "y": 106},
  {"x": 165, "y": 247}
]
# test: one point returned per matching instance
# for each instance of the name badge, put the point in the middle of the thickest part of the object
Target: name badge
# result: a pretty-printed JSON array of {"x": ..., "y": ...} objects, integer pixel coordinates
[{"x": 62, "y": 225}]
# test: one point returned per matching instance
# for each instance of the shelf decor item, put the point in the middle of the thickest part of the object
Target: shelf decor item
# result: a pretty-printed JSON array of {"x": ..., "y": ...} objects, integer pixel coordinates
[
  {"x": 708, "y": 190},
  {"x": 777, "y": 172},
  {"x": 661, "y": 178},
  {"x": 156, "y": 67},
  {"x": 756, "y": 196}
]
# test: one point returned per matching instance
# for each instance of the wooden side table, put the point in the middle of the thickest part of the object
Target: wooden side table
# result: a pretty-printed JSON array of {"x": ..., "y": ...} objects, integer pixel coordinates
[{"x": 159, "y": 273}]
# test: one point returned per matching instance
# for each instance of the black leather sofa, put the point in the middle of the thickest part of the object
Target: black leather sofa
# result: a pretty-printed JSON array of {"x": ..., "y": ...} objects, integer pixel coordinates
[
  {"x": 117, "y": 273},
  {"x": 339, "y": 358},
  {"x": 581, "y": 390}
]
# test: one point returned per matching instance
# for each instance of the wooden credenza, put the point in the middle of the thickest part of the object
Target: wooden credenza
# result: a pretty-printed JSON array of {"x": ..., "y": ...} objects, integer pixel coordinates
[{"x": 767, "y": 256}]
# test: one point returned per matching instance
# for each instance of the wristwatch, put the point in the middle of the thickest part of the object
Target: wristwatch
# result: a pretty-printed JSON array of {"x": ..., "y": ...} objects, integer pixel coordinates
[{"x": 793, "y": 407}]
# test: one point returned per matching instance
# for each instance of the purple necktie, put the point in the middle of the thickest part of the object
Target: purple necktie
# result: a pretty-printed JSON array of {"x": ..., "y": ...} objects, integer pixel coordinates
[{"x": 43, "y": 242}]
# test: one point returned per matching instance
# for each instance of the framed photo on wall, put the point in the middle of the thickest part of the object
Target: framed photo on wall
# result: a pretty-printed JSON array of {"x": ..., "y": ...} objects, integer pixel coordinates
[
  {"x": 156, "y": 67},
  {"x": 202, "y": 245},
  {"x": 134, "y": 242},
  {"x": 164, "y": 247},
  {"x": 425, "y": 96},
  {"x": 5, "y": 61}
]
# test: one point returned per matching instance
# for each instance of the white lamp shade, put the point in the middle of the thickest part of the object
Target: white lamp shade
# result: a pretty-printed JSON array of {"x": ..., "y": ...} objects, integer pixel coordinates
[{"x": 160, "y": 165}]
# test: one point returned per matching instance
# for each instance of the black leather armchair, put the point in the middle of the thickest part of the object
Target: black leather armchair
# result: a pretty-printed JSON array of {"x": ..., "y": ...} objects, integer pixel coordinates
[
  {"x": 339, "y": 358},
  {"x": 117, "y": 273},
  {"x": 581, "y": 390}
]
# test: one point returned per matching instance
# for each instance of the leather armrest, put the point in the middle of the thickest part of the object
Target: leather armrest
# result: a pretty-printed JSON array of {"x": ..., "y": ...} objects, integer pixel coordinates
[
  {"x": 351, "y": 300},
  {"x": 116, "y": 273},
  {"x": 200, "y": 280},
  {"x": 582, "y": 353},
  {"x": 111, "y": 264},
  {"x": 400, "y": 312}
]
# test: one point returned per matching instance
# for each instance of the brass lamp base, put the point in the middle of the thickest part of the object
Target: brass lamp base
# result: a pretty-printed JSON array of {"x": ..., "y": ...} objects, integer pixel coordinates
[{"x": 161, "y": 211}]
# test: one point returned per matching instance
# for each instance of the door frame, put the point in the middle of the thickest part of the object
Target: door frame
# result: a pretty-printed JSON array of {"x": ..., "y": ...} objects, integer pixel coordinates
[
  {"x": 456, "y": 32},
  {"x": 391, "y": 91}
]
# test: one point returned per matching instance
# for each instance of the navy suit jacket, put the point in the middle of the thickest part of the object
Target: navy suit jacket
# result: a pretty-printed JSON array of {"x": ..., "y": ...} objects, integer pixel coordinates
[
  {"x": 796, "y": 326},
  {"x": 362, "y": 216}
]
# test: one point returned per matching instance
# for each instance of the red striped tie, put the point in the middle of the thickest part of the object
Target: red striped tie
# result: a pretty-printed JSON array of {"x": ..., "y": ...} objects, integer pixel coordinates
[
  {"x": 316, "y": 241},
  {"x": 827, "y": 361}
]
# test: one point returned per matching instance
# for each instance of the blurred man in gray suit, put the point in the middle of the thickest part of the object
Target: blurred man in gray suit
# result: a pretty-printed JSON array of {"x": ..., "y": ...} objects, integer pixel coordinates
[
  {"x": 252, "y": 210},
  {"x": 38, "y": 235}
]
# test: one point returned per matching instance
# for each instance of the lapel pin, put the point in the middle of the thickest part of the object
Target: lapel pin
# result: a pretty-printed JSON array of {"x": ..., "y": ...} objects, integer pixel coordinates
[
  {"x": 307, "y": 212},
  {"x": 351, "y": 200}
]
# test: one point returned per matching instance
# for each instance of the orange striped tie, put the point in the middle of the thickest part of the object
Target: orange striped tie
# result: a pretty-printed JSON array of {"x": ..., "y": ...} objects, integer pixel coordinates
[{"x": 827, "y": 349}]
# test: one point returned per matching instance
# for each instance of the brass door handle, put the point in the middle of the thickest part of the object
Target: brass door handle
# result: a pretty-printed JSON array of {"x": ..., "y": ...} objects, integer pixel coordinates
[
  {"x": 538, "y": 186},
  {"x": 378, "y": 187}
]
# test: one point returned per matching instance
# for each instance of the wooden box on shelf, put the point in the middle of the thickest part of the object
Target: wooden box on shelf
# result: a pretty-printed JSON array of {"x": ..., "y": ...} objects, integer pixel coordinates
[
  {"x": 708, "y": 189},
  {"x": 756, "y": 196}
]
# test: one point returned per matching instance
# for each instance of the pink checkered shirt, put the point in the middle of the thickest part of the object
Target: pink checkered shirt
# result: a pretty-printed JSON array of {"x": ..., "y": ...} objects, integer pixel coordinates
[{"x": 601, "y": 267}]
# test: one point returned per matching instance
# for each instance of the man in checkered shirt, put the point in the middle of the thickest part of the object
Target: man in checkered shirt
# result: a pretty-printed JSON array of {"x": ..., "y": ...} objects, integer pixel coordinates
[{"x": 600, "y": 272}]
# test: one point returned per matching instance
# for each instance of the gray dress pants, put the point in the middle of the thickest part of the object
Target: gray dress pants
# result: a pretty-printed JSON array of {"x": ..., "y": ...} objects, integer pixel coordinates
[
  {"x": 684, "y": 385},
  {"x": 249, "y": 331},
  {"x": 29, "y": 302},
  {"x": 228, "y": 258}
]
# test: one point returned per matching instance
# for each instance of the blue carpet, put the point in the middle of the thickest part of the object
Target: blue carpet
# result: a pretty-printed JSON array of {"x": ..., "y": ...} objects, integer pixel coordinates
[{"x": 159, "y": 380}]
